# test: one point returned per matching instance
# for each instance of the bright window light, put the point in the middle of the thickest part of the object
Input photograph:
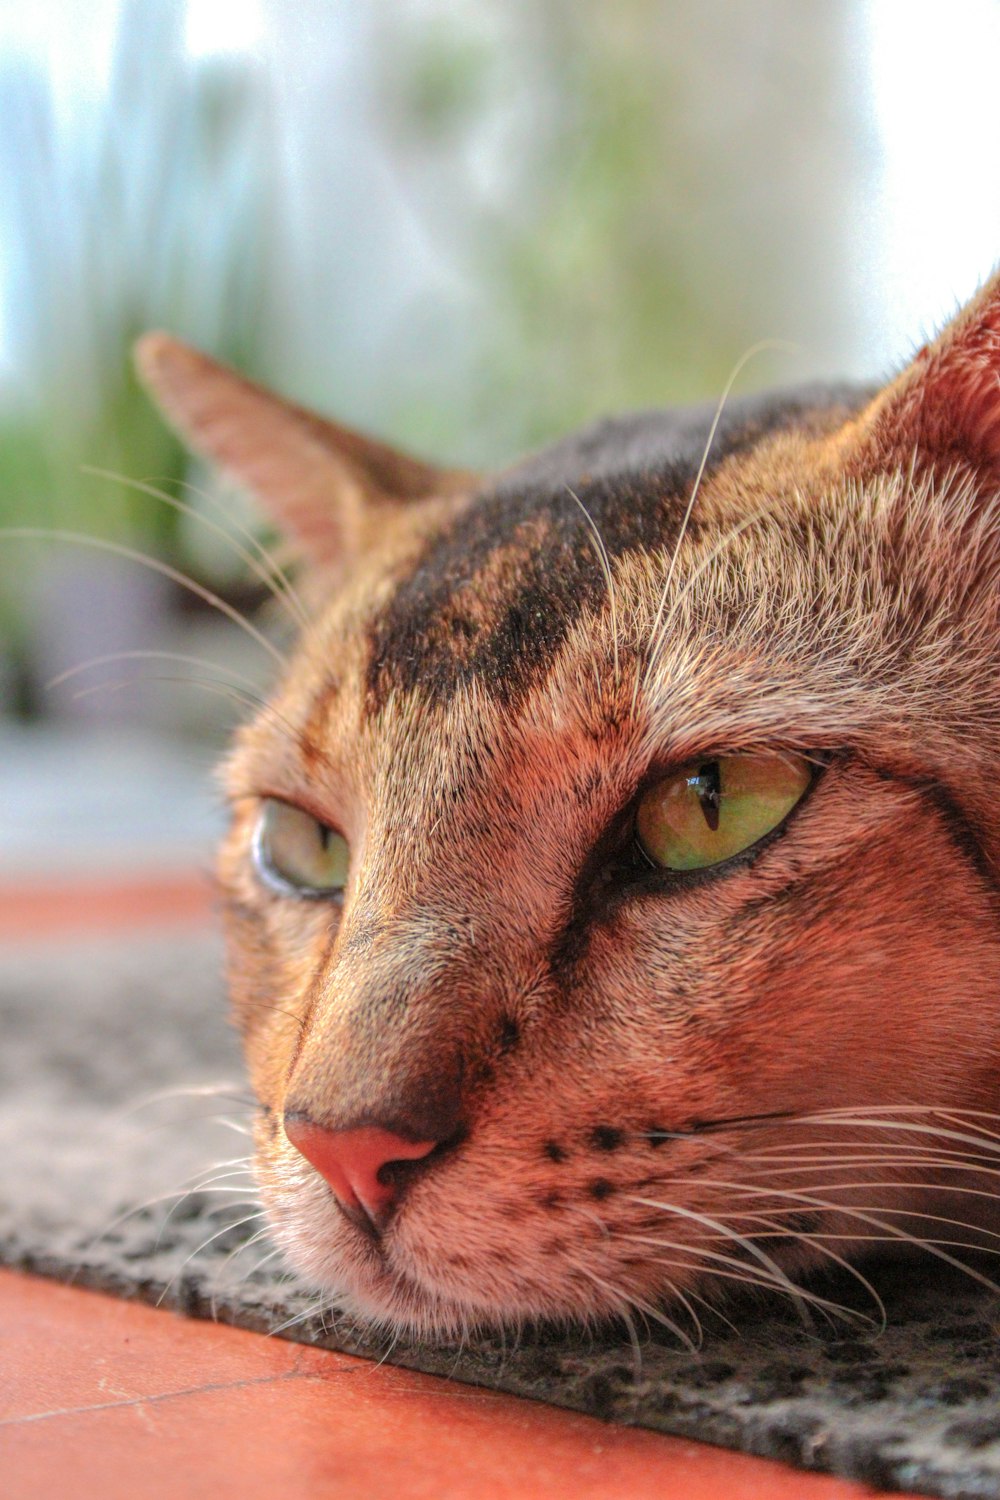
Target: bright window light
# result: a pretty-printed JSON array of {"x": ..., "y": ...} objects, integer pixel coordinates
[{"x": 215, "y": 26}]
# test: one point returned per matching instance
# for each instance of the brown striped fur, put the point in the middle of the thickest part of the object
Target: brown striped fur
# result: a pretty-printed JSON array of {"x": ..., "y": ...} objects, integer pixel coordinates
[{"x": 630, "y": 1067}]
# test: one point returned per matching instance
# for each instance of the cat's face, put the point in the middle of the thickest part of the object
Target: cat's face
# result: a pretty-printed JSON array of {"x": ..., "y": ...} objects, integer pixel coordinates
[{"x": 521, "y": 1050}]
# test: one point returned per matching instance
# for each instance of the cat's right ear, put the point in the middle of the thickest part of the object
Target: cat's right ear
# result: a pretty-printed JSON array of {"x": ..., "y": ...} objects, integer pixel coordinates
[
  {"x": 943, "y": 410},
  {"x": 326, "y": 487}
]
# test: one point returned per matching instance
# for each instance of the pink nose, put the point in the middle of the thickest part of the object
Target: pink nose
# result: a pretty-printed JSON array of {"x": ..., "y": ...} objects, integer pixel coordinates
[{"x": 351, "y": 1161}]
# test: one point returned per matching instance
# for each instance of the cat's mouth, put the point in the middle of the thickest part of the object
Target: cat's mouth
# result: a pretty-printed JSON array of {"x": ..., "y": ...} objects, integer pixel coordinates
[
  {"x": 465, "y": 1250},
  {"x": 475, "y": 1248},
  {"x": 372, "y": 1212}
]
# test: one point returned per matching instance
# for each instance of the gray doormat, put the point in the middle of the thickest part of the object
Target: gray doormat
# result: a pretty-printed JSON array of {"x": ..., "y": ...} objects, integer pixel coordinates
[{"x": 95, "y": 1033}]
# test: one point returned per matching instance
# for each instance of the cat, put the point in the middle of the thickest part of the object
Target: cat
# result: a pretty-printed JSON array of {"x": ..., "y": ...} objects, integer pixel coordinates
[{"x": 611, "y": 886}]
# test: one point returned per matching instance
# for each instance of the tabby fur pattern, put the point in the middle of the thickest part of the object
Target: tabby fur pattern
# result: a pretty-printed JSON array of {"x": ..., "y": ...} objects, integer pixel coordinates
[{"x": 648, "y": 1087}]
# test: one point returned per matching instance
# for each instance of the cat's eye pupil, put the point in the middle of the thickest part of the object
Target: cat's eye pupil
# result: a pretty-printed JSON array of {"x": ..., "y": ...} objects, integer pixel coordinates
[
  {"x": 712, "y": 810},
  {"x": 708, "y": 785},
  {"x": 298, "y": 854}
]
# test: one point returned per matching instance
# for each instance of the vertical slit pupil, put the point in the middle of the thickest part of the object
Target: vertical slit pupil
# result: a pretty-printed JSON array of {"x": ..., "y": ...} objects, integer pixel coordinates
[{"x": 708, "y": 785}]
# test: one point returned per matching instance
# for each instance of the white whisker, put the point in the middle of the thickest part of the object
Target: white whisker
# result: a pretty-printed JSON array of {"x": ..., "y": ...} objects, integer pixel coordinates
[
  {"x": 895, "y": 1232},
  {"x": 180, "y": 657},
  {"x": 619, "y": 1305},
  {"x": 226, "y": 1088},
  {"x": 706, "y": 1221},
  {"x": 642, "y": 679},
  {"x": 222, "y": 689},
  {"x": 203, "y": 1246},
  {"x": 605, "y": 562},
  {"x": 731, "y": 1268},
  {"x": 870, "y": 1120},
  {"x": 261, "y": 565},
  {"x": 267, "y": 556},
  {"x": 319, "y": 1308},
  {"x": 258, "y": 1265},
  {"x": 118, "y": 549},
  {"x": 945, "y": 1161}
]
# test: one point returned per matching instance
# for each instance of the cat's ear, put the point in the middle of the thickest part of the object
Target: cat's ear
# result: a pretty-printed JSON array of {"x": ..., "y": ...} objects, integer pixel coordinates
[
  {"x": 943, "y": 411},
  {"x": 324, "y": 486}
]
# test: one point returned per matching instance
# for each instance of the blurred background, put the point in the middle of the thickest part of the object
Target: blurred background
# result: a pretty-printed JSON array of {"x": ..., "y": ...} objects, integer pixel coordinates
[{"x": 467, "y": 228}]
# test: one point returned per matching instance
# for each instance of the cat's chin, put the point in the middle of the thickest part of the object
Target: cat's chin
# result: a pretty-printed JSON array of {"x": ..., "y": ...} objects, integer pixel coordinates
[
  {"x": 389, "y": 1301},
  {"x": 356, "y": 1278}
]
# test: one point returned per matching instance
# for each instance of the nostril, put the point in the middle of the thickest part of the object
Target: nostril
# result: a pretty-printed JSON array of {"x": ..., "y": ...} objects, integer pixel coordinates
[
  {"x": 401, "y": 1171},
  {"x": 367, "y": 1167}
]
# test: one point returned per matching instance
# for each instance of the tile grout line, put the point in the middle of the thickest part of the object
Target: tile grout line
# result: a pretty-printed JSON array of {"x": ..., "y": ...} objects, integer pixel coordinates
[{"x": 194, "y": 1390}]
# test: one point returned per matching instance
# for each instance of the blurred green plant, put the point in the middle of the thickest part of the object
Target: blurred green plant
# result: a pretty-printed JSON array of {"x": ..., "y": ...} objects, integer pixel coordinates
[
  {"x": 497, "y": 221},
  {"x": 147, "y": 206},
  {"x": 619, "y": 205},
  {"x": 582, "y": 224}
]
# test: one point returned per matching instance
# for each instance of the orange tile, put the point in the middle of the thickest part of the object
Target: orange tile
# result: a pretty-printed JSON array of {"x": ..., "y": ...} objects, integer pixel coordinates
[
  {"x": 106, "y": 1400},
  {"x": 64, "y": 1349},
  {"x": 37, "y": 910}
]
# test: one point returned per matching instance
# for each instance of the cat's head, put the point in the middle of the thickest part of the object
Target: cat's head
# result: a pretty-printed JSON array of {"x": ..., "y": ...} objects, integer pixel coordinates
[{"x": 612, "y": 874}]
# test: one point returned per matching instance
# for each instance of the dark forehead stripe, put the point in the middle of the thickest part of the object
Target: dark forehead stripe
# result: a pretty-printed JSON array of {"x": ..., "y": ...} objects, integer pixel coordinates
[{"x": 496, "y": 592}]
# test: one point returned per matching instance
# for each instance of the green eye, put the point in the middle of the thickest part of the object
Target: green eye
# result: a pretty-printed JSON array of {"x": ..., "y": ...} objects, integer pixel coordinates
[
  {"x": 713, "y": 809},
  {"x": 297, "y": 854}
]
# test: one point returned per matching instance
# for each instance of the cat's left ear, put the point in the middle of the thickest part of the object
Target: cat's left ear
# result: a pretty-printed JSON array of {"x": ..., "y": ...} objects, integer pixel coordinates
[
  {"x": 944, "y": 410},
  {"x": 327, "y": 487}
]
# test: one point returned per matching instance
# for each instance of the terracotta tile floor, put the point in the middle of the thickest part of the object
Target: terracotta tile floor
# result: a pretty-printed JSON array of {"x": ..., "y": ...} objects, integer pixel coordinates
[
  {"x": 104, "y": 1399},
  {"x": 44, "y": 908},
  {"x": 101, "y": 1399}
]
